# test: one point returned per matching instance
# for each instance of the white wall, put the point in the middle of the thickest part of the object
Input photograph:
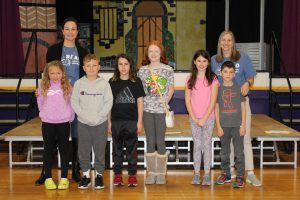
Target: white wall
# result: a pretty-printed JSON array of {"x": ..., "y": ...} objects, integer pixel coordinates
[{"x": 261, "y": 82}]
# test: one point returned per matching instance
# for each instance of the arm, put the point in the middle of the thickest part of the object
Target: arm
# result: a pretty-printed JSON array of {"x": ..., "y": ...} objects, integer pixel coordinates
[
  {"x": 243, "y": 125},
  {"x": 109, "y": 122},
  {"x": 246, "y": 86},
  {"x": 220, "y": 131},
  {"x": 211, "y": 107},
  {"x": 189, "y": 105},
  {"x": 75, "y": 99},
  {"x": 170, "y": 93},
  {"x": 40, "y": 98},
  {"x": 108, "y": 101},
  {"x": 140, "y": 107}
]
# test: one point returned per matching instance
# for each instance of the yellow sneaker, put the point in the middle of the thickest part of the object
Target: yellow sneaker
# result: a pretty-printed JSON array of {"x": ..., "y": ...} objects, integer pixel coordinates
[
  {"x": 63, "y": 184},
  {"x": 49, "y": 184}
]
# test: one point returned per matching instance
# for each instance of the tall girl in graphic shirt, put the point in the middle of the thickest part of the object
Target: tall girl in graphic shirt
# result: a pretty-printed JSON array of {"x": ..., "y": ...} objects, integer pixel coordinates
[
  {"x": 200, "y": 98},
  {"x": 56, "y": 114}
]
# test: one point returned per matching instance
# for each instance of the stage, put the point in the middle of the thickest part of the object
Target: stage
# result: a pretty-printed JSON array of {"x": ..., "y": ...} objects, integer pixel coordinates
[{"x": 264, "y": 129}]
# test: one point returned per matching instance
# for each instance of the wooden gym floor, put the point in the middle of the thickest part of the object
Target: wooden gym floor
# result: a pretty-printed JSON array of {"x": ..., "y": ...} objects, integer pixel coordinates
[{"x": 279, "y": 182}]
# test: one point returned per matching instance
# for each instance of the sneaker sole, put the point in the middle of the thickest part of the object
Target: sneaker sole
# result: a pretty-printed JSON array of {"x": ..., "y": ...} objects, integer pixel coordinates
[
  {"x": 132, "y": 185},
  {"x": 65, "y": 188},
  {"x": 237, "y": 186},
  {"x": 99, "y": 187},
  {"x": 256, "y": 185},
  {"x": 84, "y": 187},
  {"x": 118, "y": 184},
  {"x": 222, "y": 183}
]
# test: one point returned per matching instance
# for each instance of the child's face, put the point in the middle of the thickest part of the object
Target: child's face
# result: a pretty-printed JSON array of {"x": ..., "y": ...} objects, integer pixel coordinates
[
  {"x": 91, "y": 68},
  {"x": 55, "y": 74},
  {"x": 226, "y": 42},
  {"x": 201, "y": 63},
  {"x": 123, "y": 67},
  {"x": 70, "y": 31},
  {"x": 154, "y": 53},
  {"x": 227, "y": 74}
]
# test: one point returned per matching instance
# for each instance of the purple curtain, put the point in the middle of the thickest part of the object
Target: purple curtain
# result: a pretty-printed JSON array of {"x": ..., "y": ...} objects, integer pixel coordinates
[
  {"x": 11, "y": 52},
  {"x": 290, "y": 42}
]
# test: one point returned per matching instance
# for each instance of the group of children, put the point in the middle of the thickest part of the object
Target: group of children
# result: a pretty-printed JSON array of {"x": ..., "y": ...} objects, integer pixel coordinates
[{"x": 130, "y": 100}]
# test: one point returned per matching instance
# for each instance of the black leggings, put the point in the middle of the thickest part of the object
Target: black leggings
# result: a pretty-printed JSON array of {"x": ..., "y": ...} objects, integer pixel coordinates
[{"x": 56, "y": 135}]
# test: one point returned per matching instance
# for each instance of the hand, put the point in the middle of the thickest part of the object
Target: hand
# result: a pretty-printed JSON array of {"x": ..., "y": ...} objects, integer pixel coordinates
[
  {"x": 242, "y": 130},
  {"x": 139, "y": 127},
  {"x": 245, "y": 88},
  {"x": 36, "y": 93},
  {"x": 201, "y": 122},
  {"x": 220, "y": 132},
  {"x": 109, "y": 127}
]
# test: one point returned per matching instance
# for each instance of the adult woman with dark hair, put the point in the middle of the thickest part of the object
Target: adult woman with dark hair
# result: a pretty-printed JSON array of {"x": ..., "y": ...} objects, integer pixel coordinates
[
  {"x": 71, "y": 54},
  {"x": 157, "y": 77},
  {"x": 244, "y": 77}
]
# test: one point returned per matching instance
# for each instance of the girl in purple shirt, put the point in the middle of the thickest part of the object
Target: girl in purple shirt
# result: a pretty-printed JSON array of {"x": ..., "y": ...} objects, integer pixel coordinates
[{"x": 56, "y": 114}]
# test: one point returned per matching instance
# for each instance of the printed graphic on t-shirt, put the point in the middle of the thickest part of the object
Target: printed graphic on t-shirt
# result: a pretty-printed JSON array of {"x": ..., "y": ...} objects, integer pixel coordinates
[
  {"x": 91, "y": 94},
  {"x": 70, "y": 59},
  {"x": 227, "y": 97},
  {"x": 150, "y": 84},
  {"x": 125, "y": 96},
  {"x": 54, "y": 92}
]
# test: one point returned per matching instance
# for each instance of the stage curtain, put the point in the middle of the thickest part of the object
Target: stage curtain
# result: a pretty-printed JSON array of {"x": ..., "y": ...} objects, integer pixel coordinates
[
  {"x": 290, "y": 42},
  {"x": 11, "y": 54}
]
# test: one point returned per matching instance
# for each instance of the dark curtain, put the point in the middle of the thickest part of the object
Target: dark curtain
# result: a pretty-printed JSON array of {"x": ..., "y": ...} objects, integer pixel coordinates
[
  {"x": 11, "y": 54},
  {"x": 290, "y": 42}
]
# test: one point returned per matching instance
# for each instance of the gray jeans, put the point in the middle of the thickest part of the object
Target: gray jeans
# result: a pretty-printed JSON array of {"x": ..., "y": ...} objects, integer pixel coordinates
[
  {"x": 238, "y": 143},
  {"x": 155, "y": 128}
]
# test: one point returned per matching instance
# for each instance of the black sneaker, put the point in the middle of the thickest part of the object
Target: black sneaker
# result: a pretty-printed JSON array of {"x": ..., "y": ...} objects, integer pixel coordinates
[
  {"x": 99, "y": 182},
  {"x": 84, "y": 183},
  {"x": 40, "y": 180}
]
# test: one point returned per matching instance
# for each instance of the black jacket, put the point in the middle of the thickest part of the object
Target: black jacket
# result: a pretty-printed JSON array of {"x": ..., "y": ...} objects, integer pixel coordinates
[{"x": 54, "y": 53}]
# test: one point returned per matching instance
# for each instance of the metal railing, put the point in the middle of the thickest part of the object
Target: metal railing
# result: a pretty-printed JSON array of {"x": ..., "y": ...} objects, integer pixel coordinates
[{"x": 274, "y": 48}]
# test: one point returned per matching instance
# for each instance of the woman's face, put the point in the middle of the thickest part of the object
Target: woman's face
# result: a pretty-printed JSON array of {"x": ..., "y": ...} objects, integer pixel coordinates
[
  {"x": 154, "y": 53},
  {"x": 226, "y": 42},
  {"x": 201, "y": 63},
  {"x": 70, "y": 31}
]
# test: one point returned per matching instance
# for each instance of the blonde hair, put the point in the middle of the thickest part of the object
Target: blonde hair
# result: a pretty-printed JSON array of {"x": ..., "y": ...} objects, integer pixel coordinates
[
  {"x": 90, "y": 57},
  {"x": 65, "y": 83},
  {"x": 235, "y": 54}
]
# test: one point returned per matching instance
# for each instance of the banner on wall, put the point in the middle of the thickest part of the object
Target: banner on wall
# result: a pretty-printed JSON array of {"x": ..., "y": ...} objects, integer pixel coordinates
[{"x": 40, "y": 17}]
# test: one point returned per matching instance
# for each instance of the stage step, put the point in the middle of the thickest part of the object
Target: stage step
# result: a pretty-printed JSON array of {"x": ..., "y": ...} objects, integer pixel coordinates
[{"x": 13, "y": 106}]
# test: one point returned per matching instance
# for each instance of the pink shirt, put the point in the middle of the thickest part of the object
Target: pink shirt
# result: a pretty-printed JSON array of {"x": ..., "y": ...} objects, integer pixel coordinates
[
  {"x": 54, "y": 108},
  {"x": 200, "y": 96}
]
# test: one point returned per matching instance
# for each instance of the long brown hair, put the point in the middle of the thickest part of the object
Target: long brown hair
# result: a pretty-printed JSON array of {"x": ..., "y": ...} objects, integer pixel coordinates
[
  {"x": 65, "y": 83},
  {"x": 132, "y": 69},
  {"x": 235, "y": 54},
  {"x": 163, "y": 58},
  {"x": 209, "y": 74}
]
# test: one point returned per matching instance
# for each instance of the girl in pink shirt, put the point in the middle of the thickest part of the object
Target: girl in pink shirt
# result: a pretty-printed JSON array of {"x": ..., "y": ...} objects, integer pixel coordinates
[
  {"x": 200, "y": 98},
  {"x": 56, "y": 114}
]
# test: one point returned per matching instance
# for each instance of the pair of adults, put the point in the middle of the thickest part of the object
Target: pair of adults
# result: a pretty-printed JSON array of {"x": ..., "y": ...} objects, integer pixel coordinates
[{"x": 71, "y": 54}]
